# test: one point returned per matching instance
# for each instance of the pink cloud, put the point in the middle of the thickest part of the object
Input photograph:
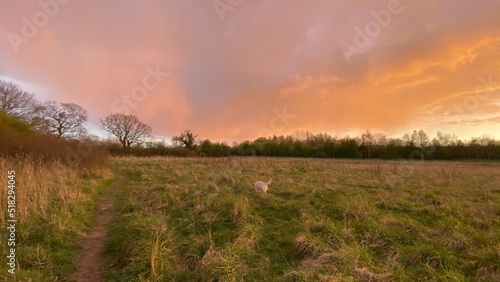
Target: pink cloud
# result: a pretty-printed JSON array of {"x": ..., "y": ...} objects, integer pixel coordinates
[{"x": 228, "y": 77}]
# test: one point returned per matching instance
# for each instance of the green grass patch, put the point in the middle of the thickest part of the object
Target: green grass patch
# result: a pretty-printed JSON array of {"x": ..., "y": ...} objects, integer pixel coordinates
[
  {"x": 47, "y": 242},
  {"x": 193, "y": 219}
]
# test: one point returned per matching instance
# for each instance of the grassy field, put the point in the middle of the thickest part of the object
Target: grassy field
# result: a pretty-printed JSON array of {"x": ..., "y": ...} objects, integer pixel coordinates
[
  {"x": 321, "y": 220},
  {"x": 54, "y": 206}
]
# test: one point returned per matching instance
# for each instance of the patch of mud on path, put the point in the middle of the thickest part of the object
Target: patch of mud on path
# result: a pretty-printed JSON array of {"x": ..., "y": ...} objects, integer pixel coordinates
[{"x": 91, "y": 258}]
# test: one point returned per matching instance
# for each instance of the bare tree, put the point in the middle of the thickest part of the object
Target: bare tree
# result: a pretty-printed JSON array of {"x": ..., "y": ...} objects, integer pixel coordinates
[
  {"x": 62, "y": 119},
  {"x": 380, "y": 139},
  {"x": 302, "y": 135},
  {"x": 367, "y": 140},
  {"x": 445, "y": 139},
  {"x": 407, "y": 140},
  {"x": 421, "y": 140},
  {"x": 127, "y": 128},
  {"x": 18, "y": 103},
  {"x": 187, "y": 139},
  {"x": 320, "y": 139}
]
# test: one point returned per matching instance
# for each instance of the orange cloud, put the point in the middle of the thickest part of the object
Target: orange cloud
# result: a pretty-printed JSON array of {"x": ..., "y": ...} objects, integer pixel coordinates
[{"x": 238, "y": 78}]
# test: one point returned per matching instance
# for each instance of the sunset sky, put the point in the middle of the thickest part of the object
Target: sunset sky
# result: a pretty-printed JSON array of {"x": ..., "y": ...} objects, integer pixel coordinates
[{"x": 236, "y": 69}]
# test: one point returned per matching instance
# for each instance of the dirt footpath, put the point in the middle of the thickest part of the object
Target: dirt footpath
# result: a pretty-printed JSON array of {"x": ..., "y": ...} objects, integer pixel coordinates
[{"x": 91, "y": 259}]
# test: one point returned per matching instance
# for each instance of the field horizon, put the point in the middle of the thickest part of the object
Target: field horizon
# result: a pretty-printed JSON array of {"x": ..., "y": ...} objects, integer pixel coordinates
[{"x": 232, "y": 140}]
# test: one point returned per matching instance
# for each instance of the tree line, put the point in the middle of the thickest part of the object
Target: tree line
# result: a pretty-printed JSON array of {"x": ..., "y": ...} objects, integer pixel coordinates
[
  {"x": 129, "y": 136},
  {"x": 305, "y": 144}
]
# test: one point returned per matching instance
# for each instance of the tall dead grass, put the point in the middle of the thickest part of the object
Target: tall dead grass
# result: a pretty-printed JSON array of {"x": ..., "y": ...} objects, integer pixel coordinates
[{"x": 40, "y": 186}]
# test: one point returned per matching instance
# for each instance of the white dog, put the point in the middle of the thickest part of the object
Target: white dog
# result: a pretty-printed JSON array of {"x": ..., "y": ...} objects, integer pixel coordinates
[{"x": 261, "y": 185}]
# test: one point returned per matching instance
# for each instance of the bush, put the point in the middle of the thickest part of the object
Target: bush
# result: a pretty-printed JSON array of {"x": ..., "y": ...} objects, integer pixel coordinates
[{"x": 18, "y": 140}]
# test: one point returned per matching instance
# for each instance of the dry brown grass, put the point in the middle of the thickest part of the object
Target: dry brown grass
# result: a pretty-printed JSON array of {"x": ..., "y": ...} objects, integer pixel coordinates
[
  {"x": 40, "y": 185},
  {"x": 54, "y": 204}
]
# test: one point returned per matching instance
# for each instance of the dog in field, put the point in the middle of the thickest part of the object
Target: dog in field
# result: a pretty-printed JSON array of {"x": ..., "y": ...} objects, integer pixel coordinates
[{"x": 261, "y": 185}]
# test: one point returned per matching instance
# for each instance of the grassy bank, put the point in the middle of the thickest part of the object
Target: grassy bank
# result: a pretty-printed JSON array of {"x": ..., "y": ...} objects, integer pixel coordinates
[
  {"x": 54, "y": 205},
  {"x": 322, "y": 220}
]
